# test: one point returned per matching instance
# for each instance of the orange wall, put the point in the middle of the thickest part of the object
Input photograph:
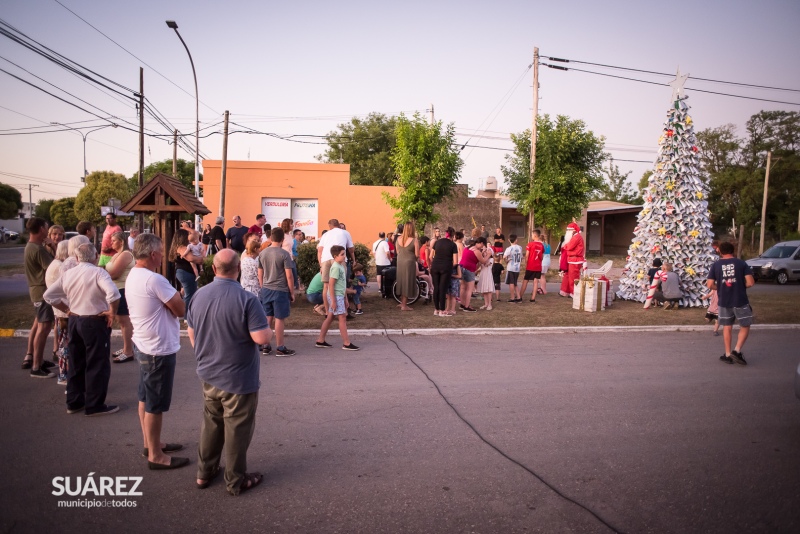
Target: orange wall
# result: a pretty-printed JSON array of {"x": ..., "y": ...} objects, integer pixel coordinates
[{"x": 360, "y": 207}]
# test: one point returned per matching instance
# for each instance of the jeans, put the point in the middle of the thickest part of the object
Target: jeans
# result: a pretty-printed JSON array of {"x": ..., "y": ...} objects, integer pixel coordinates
[{"x": 188, "y": 283}]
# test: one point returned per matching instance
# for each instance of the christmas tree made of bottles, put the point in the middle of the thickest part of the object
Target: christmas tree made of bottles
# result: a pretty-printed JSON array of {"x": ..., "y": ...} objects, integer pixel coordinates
[{"x": 674, "y": 223}]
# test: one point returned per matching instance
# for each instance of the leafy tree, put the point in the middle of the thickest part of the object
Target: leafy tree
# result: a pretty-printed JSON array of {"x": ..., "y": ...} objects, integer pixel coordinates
[
  {"x": 185, "y": 173},
  {"x": 568, "y": 170},
  {"x": 427, "y": 165},
  {"x": 100, "y": 186},
  {"x": 10, "y": 202},
  {"x": 43, "y": 210},
  {"x": 720, "y": 148},
  {"x": 63, "y": 212},
  {"x": 367, "y": 146},
  {"x": 616, "y": 187},
  {"x": 644, "y": 181}
]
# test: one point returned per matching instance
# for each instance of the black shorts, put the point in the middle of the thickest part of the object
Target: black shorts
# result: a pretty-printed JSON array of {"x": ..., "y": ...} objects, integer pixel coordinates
[
  {"x": 156, "y": 375},
  {"x": 380, "y": 268},
  {"x": 532, "y": 275},
  {"x": 512, "y": 277},
  {"x": 44, "y": 313},
  {"x": 122, "y": 309}
]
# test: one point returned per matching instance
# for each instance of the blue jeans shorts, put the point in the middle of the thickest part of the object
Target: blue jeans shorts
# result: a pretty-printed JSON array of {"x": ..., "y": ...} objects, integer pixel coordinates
[
  {"x": 276, "y": 303},
  {"x": 156, "y": 375},
  {"x": 467, "y": 275}
]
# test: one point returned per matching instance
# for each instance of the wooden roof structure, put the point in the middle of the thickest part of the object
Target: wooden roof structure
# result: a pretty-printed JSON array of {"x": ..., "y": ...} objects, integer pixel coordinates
[{"x": 166, "y": 199}]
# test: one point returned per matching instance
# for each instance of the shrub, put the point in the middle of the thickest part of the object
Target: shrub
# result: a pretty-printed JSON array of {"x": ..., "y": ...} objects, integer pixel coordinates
[
  {"x": 307, "y": 264},
  {"x": 361, "y": 252},
  {"x": 207, "y": 276}
]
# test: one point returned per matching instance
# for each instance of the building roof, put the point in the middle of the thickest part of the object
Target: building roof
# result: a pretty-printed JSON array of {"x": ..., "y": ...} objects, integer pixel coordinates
[
  {"x": 184, "y": 200},
  {"x": 609, "y": 206}
]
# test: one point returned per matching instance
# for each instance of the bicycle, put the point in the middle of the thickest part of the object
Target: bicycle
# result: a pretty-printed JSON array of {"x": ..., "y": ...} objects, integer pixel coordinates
[{"x": 421, "y": 290}]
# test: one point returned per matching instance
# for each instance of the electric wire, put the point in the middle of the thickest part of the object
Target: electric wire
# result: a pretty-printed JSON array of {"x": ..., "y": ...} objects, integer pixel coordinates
[
  {"x": 492, "y": 445},
  {"x": 667, "y": 74},
  {"x": 134, "y": 55}
]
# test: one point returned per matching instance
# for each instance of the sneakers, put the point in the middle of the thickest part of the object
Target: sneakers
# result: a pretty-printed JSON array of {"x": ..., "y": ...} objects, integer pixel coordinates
[
  {"x": 323, "y": 345},
  {"x": 266, "y": 350},
  {"x": 48, "y": 365},
  {"x": 75, "y": 410},
  {"x": 359, "y": 312},
  {"x": 469, "y": 309},
  {"x": 350, "y": 347},
  {"x": 42, "y": 373},
  {"x": 62, "y": 382},
  {"x": 738, "y": 357},
  {"x": 726, "y": 359},
  {"x": 281, "y": 352},
  {"x": 105, "y": 410}
]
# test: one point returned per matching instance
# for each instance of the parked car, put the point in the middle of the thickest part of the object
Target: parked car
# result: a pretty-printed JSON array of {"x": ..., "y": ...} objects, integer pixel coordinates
[
  {"x": 68, "y": 235},
  {"x": 10, "y": 235},
  {"x": 781, "y": 263}
]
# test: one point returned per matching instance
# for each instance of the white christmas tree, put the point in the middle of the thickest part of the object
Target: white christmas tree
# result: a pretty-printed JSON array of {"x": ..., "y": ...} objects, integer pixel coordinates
[{"x": 674, "y": 222}]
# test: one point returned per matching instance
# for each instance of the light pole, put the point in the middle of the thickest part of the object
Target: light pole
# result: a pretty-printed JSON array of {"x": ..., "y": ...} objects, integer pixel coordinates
[
  {"x": 172, "y": 24},
  {"x": 84, "y": 135}
]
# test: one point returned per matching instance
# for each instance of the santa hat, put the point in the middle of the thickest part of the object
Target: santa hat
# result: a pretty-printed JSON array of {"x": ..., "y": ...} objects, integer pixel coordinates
[{"x": 574, "y": 227}]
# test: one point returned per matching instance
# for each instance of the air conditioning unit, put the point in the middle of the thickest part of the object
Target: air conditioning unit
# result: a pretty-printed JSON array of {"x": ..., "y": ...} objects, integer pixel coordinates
[{"x": 491, "y": 184}]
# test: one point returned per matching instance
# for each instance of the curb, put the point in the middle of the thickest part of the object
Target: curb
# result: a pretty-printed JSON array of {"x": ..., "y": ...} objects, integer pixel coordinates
[{"x": 526, "y": 330}]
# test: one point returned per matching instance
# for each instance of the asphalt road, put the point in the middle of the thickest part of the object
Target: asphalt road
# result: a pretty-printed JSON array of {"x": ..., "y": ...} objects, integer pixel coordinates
[
  {"x": 631, "y": 432},
  {"x": 12, "y": 255}
]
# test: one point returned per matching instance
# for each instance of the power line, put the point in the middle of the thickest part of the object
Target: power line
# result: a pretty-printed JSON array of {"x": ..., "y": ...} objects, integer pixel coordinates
[
  {"x": 134, "y": 56},
  {"x": 557, "y": 67},
  {"x": 667, "y": 74}
]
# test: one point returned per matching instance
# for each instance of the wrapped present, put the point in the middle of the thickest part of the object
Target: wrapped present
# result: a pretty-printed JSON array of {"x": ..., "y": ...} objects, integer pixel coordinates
[{"x": 589, "y": 295}]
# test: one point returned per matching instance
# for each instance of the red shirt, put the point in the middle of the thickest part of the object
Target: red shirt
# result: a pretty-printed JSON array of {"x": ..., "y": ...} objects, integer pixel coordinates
[
  {"x": 255, "y": 229},
  {"x": 535, "y": 251}
]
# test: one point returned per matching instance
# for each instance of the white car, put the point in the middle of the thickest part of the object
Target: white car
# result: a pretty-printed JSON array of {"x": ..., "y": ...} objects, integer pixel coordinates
[
  {"x": 10, "y": 235},
  {"x": 781, "y": 262}
]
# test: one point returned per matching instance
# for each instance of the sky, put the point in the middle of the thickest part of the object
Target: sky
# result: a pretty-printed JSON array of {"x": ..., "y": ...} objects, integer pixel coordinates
[{"x": 302, "y": 67}]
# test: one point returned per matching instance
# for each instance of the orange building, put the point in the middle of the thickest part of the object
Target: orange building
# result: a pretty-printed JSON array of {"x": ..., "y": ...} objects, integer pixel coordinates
[{"x": 309, "y": 193}]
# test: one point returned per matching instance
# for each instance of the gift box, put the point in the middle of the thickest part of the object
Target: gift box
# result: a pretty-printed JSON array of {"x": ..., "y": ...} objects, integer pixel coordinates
[{"x": 590, "y": 295}]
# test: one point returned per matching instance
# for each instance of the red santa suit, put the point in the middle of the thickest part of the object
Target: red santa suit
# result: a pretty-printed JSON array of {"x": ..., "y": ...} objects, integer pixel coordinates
[{"x": 574, "y": 249}]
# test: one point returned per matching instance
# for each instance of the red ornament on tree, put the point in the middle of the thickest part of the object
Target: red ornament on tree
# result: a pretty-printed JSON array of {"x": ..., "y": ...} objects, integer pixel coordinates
[
  {"x": 694, "y": 148},
  {"x": 670, "y": 133}
]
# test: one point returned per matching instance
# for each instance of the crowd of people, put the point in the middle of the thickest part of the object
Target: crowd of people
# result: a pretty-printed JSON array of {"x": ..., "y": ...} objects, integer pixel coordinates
[{"x": 233, "y": 319}]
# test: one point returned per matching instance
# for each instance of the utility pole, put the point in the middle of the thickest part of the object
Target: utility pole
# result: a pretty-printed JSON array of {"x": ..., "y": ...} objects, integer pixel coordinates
[
  {"x": 140, "y": 216},
  {"x": 224, "y": 167},
  {"x": 433, "y": 120},
  {"x": 175, "y": 154},
  {"x": 30, "y": 198},
  {"x": 764, "y": 206},
  {"x": 531, "y": 219}
]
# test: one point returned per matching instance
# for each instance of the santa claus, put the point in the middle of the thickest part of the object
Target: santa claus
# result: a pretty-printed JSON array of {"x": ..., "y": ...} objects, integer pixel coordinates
[{"x": 573, "y": 249}]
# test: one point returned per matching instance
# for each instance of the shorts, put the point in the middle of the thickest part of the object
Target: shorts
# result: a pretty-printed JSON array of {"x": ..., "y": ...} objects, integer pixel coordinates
[
  {"x": 380, "y": 268},
  {"x": 467, "y": 275},
  {"x": 122, "y": 309},
  {"x": 339, "y": 308},
  {"x": 455, "y": 284},
  {"x": 276, "y": 303},
  {"x": 325, "y": 269},
  {"x": 314, "y": 298},
  {"x": 743, "y": 315},
  {"x": 44, "y": 312},
  {"x": 156, "y": 375},
  {"x": 512, "y": 277},
  {"x": 497, "y": 286},
  {"x": 711, "y": 316},
  {"x": 498, "y": 249},
  {"x": 532, "y": 275}
]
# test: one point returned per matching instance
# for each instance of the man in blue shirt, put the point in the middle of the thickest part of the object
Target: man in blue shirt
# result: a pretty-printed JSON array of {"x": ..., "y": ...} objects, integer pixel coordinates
[
  {"x": 226, "y": 326},
  {"x": 731, "y": 277}
]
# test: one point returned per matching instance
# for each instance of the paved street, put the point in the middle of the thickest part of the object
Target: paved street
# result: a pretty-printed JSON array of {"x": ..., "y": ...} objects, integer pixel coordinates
[
  {"x": 645, "y": 432},
  {"x": 12, "y": 255}
]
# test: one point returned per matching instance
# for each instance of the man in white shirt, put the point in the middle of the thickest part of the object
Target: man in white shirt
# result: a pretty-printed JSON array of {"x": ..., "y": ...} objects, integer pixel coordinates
[
  {"x": 154, "y": 310},
  {"x": 93, "y": 299},
  {"x": 334, "y": 236},
  {"x": 382, "y": 255},
  {"x": 132, "y": 237}
]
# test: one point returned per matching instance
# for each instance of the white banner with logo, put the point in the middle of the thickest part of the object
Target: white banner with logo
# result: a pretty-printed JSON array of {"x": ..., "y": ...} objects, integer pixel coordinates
[
  {"x": 305, "y": 215},
  {"x": 276, "y": 210}
]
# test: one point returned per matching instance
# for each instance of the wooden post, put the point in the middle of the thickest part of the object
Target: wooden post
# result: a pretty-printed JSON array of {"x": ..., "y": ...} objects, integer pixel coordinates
[
  {"x": 764, "y": 206},
  {"x": 741, "y": 239}
]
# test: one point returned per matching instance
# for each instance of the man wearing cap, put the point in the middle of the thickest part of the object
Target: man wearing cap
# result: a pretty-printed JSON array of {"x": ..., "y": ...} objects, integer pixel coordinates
[
  {"x": 218, "y": 236},
  {"x": 574, "y": 249}
]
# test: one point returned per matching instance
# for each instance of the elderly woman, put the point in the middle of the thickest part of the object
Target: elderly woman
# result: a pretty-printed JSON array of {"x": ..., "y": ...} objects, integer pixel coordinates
[
  {"x": 60, "y": 328},
  {"x": 183, "y": 258},
  {"x": 54, "y": 236},
  {"x": 118, "y": 268}
]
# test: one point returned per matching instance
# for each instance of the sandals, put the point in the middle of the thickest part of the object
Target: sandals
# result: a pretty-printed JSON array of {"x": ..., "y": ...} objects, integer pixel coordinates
[
  {"x": 251, "y": 480},
  {"x": 122, "y": 357},
  {"x": 27, "y": 363},
  {"x": 206, "y": 483},
  {"x": 119, "y": 352}
]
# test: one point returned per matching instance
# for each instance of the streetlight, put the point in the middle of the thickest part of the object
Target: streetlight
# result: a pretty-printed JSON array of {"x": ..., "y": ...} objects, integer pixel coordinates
[
  {"x": 172, "y": 24},
  {"x": 84, "y": 135}
]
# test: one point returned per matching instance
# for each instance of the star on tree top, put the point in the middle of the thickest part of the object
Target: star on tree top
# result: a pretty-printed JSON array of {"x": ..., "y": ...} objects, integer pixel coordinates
[{"x": 677, "y": 85}]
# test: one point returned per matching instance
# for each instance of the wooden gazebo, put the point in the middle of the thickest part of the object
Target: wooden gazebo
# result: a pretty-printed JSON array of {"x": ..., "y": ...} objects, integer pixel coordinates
[{"x": 165, "y": 198}]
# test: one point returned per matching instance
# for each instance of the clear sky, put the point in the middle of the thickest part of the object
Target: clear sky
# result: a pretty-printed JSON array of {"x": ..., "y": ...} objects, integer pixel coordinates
[{"x": 302, "y": 67}]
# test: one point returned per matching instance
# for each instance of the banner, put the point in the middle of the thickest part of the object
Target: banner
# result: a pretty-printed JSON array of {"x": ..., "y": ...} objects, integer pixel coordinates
[
  {"x": 305, "y": 215},
  {"x": 276, "y": 210}
]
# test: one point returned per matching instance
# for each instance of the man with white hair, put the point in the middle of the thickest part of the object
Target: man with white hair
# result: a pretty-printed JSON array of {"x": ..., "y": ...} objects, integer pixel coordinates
[
  {"x": 90, "y": 297},
  {"x": 218, "y": 236}
]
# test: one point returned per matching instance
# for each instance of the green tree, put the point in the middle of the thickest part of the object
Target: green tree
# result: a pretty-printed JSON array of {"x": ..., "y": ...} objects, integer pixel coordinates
[
  {"x": 366, "y": 145},
  {"x": 185, "y": 173},
  {"x": 568, "y": 170},
  {"x": 616, "y": 187},
  {"x": 63, "y": 212},
  {"x": 644, "y": 181},
  {"x": 427, "y": 165},
  {"x": 43, "y": 210},
  {"x": 100, "y": 186},
  {"x": 10, "y": 202}
]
